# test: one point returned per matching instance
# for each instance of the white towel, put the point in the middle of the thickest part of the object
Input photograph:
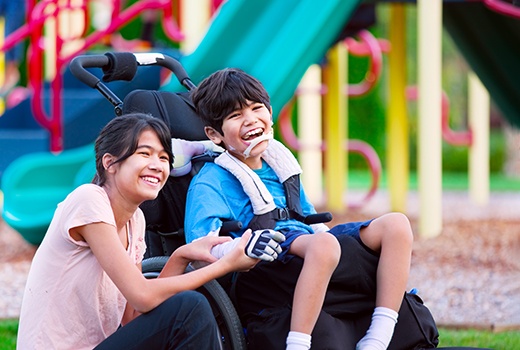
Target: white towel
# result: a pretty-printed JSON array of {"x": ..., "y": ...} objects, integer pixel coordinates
[{"x": 278, "y": 157}]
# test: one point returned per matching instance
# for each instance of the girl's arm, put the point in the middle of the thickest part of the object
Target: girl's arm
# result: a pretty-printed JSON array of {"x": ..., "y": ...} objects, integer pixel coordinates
[
  {"x": 199, "y": 250},
  {"x": 143, "y": 294},
  {"x": 130, "y": 313}
]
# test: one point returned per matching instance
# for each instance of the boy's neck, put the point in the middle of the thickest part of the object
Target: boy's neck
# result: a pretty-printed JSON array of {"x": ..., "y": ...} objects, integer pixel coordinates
[{"x": 254, "y": 162}]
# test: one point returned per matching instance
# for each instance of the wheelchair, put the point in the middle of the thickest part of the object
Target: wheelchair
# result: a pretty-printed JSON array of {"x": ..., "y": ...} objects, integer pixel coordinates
[{"x": 164, "y": 215}]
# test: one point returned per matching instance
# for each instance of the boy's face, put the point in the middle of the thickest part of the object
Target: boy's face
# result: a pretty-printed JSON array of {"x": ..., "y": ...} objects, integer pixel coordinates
[{"x": 240, "y": 128}]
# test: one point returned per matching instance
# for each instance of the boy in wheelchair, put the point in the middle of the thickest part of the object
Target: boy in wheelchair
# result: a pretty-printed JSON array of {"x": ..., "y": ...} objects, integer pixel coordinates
[{"x": 256, "y": 181}]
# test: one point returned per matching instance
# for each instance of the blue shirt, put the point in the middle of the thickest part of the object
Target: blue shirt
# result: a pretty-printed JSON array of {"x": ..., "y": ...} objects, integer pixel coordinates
[{"x": 216, "y": 195}]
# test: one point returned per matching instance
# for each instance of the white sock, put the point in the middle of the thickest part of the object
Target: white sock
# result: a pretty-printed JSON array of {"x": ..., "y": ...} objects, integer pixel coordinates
[
  {"x": 380, "y": 331},
  {"x": 298, "y": 341}
]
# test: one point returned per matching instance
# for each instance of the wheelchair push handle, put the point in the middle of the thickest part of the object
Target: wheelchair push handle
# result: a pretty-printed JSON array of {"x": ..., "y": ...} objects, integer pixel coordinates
[
  {"x": 79, "y": 64},
  {"x": 166, "y": 62},
  {"x": 123, "y": 66}
]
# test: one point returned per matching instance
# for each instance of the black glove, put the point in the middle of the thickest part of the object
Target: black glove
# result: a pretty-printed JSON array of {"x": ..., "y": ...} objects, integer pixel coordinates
[{"x": 265, "y": 244}]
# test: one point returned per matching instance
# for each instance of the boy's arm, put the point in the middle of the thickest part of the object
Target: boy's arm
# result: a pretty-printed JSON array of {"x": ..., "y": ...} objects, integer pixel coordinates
[
  {"x": 208, "y": 203},
  {"x": 220, "y": 250},
  {"x": 205, "y": 210},
  {"x": 185, "y": 150},
  {"x": 263, "y": 245}
]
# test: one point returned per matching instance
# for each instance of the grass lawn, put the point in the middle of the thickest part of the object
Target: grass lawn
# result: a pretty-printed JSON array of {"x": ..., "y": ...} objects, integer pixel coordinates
[
  {"x": 484, "y": 339},
  {"x": 471, "y": 338},
  {"x": 8, "y": 329}
]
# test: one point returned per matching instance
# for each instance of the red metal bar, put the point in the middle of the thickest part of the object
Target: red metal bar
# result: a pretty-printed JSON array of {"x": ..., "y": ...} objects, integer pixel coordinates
[
  {"x": 355, "y": 146},
  {"x": 503, "y": 8},
  {"x": 47, "y": 9},
  {"x": 371, "y": 47},
  {"x": 36, "y": 20},
  {"x": 126, "y": 16},
  {"x": 458, "y": 138},
  {"x": 369, "y": 154}
]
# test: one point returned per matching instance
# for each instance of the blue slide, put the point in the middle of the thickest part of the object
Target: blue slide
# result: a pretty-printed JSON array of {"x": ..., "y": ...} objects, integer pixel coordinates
[{"x": 274, "y": 40}]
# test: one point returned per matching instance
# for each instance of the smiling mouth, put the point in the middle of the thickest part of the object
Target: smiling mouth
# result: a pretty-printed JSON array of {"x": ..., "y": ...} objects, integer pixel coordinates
[
  {"x": 253, "y": 134},
  {"x": 152, "y": 180}
]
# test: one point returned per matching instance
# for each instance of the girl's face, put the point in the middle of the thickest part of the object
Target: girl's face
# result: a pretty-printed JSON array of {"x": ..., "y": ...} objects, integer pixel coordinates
[
  {"x": 141, "y": 176},
  {"x": 240, "y": 128}
]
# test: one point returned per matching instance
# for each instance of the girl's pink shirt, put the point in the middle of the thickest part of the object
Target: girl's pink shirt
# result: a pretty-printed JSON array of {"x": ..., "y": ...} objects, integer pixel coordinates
[{"x": 69, "y": 301}]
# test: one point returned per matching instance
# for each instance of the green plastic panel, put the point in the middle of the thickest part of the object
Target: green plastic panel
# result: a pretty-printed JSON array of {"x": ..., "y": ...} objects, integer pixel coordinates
[{"x": 489, "y": 43}]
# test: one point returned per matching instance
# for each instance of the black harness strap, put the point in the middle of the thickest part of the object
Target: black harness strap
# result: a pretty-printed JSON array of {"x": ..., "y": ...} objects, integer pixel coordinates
[{"x": 292, "y": 211}]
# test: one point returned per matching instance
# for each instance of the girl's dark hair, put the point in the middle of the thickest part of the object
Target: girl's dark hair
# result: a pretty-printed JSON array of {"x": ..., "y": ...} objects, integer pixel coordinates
[
  {"x": 120, "y": 138},
  {"x": 223, "y": 92}
]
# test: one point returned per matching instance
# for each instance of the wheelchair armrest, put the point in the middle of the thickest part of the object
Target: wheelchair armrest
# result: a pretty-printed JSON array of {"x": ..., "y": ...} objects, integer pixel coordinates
[
  {"x": 318, "y": 218},
  {"x": 230, "y": 226}
]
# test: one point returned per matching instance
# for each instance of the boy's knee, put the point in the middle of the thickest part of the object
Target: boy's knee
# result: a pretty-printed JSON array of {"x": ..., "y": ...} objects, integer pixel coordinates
[
  {"x": 393, "y": 228},
  {"x": 399, "y": 227},
  {"x": 328, "y": 247}
]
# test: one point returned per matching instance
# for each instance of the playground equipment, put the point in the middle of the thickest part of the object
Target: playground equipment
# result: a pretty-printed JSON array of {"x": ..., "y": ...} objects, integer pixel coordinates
[
  {"x": 56, "y": 32},
  {"x": 235, "y": 18},
  {"x": 68, "y": 23},
  {"x": 274, "y": 24},
  {"x": 310, "y": 119},
  {"x": 431, "y": 128}
]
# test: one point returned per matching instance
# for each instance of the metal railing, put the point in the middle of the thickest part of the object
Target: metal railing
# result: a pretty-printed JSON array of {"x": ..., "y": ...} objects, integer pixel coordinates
[{"x": 44, "y": 29}]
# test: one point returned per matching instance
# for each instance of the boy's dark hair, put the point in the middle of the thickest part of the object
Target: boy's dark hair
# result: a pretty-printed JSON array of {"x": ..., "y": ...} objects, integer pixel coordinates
[
  {"x": 120, "y": 138},
  {"x": 223, "y": 92}
]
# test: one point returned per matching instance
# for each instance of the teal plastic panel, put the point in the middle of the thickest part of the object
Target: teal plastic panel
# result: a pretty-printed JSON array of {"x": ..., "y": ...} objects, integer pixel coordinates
[
  {"x": 34, "y": 184},
  {"x": 274, "y": 40}
]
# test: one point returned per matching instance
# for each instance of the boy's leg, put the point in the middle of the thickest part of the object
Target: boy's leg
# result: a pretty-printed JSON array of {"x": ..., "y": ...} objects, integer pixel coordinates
[
  {"x": 321, "y": 253},
  {"x": 391, "y": 236},
  {"x": 184, "y": 321},
  {"x": 270, "y": 287}
]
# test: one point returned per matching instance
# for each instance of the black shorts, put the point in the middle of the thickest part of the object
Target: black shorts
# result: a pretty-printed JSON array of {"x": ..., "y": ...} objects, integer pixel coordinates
[{"x": 351, "y": 290}]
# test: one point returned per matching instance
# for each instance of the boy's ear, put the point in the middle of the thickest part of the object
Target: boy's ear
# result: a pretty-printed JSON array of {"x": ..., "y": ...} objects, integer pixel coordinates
[{"x": 213, "y": 135}]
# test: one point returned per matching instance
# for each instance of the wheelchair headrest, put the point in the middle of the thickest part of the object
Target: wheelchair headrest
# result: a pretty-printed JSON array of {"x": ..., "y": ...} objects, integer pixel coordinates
[{"x": 175, "y": 109}]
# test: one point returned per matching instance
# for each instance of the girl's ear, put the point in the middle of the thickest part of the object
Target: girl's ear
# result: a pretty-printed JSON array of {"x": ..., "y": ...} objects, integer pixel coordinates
[
  {"x": 213, "y": 135},
  {"x": 107, "y": 159}
]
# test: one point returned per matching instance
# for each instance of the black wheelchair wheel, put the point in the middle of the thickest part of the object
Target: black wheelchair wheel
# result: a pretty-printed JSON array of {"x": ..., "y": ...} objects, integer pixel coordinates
[{"x": 229, "y": 326}]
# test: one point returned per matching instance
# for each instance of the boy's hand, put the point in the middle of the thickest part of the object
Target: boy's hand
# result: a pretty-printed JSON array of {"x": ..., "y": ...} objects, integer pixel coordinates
[
  {"x": 237, "y": 258},
  {"x": 265, "y": 245},
  {"x": 200, "y": 249}
]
